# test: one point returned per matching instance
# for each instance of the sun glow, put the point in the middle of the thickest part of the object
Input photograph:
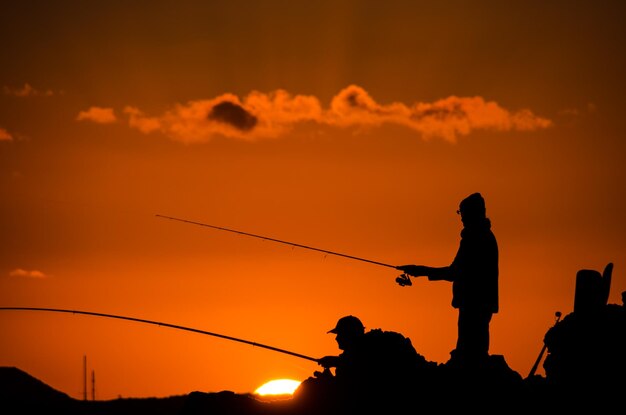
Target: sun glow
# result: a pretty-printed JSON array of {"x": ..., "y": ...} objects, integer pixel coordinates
[{"x": 278, "y": 387}]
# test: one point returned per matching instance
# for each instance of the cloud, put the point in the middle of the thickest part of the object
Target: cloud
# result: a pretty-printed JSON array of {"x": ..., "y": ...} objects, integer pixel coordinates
[
  {"x": 26, "y": 91},
  {"x": 5, "y": 135},
  {"x": 22, "y": 273},
  {"x": 234, "y": 115},
  {"x": 271, "y": 115},
  {"x": 258, "y": 116},
  {"x": 98, "y": 115},
  {"x": 446, "y": 118},
  {"x": 136, "y": 119}
]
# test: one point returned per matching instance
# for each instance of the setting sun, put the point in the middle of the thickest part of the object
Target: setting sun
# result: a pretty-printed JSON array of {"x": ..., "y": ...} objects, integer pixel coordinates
[{"x": 278, "y": 387}]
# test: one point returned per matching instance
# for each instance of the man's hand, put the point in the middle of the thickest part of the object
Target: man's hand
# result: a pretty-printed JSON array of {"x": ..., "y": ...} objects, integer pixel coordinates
[
  {"x": 414, "y": 270},
  {"x": 328, "y": 361},
  {"x": 323, "y": 375}
]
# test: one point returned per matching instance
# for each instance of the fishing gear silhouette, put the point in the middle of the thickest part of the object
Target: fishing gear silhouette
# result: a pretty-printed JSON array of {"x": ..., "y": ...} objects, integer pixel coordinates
[
  {"x": 403, "y": 280},
  {"x": 174, "y": 326},
  {"x": 543, "y": 349}
]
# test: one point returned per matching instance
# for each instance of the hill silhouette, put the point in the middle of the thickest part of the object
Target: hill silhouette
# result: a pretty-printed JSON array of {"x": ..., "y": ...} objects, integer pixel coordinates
[
  {"x": 24, "y": 394},
  {"x": 27, "y": 392}
]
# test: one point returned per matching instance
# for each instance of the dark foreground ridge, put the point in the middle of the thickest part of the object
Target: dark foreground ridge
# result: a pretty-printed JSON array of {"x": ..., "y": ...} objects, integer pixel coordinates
[{"x": 585, "y": 367}]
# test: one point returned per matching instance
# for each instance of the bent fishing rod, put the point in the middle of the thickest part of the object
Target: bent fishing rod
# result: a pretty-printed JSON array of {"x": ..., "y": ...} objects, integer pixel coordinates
[
  {"x": 402, "y": 280},
  {"x": 158, "y": 323}
]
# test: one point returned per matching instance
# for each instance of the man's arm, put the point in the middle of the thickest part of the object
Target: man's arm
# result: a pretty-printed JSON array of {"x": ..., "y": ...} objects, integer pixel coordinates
[{"x": 433, "y": 273}]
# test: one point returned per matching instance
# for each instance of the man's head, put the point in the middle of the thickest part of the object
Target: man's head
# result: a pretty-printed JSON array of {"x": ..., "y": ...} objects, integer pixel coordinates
[
  {"x": 348, "y": 325},
  {"x": 348, "y": 330},
  {"x": 472, "y": 207}
]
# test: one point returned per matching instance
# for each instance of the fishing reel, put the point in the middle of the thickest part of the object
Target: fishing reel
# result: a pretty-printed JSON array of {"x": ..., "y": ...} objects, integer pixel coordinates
[{"x": 404, "y": 280}]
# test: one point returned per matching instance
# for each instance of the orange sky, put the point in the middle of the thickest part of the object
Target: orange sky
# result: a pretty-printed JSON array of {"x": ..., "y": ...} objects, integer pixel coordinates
[{"x": 351, "y": 126}]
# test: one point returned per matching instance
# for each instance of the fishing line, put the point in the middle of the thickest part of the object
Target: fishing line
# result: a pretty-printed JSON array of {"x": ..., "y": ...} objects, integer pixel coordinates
[{"x": 278, "y": 240}]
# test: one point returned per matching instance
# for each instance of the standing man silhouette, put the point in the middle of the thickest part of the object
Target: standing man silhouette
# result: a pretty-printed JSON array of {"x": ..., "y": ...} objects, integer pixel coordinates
[{"x": 474, "y": 277}]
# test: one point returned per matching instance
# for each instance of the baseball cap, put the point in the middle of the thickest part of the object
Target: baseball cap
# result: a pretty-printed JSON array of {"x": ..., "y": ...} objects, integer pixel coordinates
[{"x": 348, "y": 324}]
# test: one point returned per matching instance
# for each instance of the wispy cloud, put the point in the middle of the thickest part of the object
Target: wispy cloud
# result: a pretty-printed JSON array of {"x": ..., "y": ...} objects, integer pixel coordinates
[
  {"x": 26, "y": 91},
  {"x": 576, "y": 112},
  {"x": 137, "y": 119},
  {"x": 5, "y": 135},
  {"x": 270, "y": 115},
  {"x": 22, "y": 273},
  {"x": 447, "y": 118},
  {"x": 98, "y": 115},
  {"x": 258, "y": 116}
]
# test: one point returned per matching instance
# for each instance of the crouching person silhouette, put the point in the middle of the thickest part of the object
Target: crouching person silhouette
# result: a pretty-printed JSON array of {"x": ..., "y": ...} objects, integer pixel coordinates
[{"x": 375, "y": 368}]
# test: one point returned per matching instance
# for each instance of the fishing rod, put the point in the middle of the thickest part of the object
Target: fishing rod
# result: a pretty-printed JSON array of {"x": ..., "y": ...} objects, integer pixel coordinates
[
  {"x": 279, "y": 241},
  {"x": 174, "y": 326},
  {"x": 403, "y": 280}
]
